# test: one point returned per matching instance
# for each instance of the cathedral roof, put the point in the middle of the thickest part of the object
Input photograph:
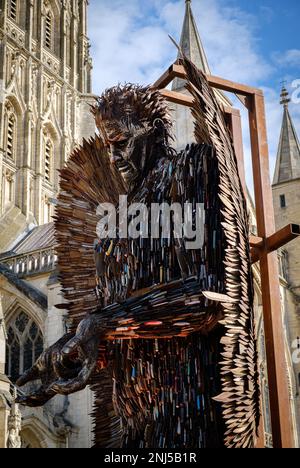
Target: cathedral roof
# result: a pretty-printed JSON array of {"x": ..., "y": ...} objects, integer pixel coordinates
[
  {"x": 29, "y": 291},
  {"x": 39, "y": 238},
  {"x": 288, "y": 157}
]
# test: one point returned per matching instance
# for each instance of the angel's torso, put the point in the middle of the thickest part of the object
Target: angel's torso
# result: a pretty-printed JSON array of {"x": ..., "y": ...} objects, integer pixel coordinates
[{"x": 174, "y": 377}]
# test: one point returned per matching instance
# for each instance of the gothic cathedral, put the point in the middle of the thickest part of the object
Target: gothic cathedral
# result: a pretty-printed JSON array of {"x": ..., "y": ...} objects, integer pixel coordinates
[
  {"x": 45, "y": 86},
  {"x": 45, "y": 92}
]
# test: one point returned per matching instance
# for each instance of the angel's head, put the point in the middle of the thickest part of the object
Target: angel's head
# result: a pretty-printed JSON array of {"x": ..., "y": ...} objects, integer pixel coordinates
[{"x": 135, "y": 125}]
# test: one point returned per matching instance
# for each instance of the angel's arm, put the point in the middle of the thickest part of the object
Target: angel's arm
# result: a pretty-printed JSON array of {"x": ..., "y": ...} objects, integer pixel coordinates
[{"x": 175, "y": 309}]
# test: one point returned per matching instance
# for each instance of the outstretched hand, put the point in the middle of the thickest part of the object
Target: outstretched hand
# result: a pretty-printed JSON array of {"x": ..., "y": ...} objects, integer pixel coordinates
[{"x": 65, "y": 367}]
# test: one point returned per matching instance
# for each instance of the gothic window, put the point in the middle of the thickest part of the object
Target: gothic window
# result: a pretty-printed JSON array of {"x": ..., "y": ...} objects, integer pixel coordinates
[
  {"x": 10, "y": 132},
  {"x": 48, "y": 159},
  {"x": 282, "y": 201},
  {"x": 24, "y": 345},
  {"x": 13, "y": 9},
  {"x": 49, "y": 25}
]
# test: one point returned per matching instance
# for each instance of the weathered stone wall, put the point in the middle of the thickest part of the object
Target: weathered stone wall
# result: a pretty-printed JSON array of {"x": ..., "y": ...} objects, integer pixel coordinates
[
  {"x": 291, "y": 292},
  {"x": 284, "y": 216}
]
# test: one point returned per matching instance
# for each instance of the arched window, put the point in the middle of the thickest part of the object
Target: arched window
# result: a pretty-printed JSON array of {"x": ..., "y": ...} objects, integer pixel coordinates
[
  {"x": 13, "y": 6},
  {"x": 48, "y": 159},
  {"x": 11, "y": 135},
  {"x": 10, "y": 132},
  {"x": 49, "y": 26},
  {"x": 24, "y": 345}
]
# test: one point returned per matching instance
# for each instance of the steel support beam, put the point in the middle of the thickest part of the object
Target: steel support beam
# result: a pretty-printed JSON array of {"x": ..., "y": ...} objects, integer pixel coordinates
[
  {"x": 274, "y": 332},
  {"x": 259, "y": 246},
  {"x": 264, "y": 245}
]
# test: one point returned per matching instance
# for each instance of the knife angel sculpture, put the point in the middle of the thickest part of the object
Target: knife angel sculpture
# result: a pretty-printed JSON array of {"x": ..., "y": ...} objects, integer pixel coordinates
[{"x": 161, "y": 331}]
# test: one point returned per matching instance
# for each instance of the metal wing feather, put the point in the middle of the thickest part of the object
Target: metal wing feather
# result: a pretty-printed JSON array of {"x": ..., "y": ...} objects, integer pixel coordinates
[
  {"x": 87, "y": 180},
  {"x": 240, "y": 398}
]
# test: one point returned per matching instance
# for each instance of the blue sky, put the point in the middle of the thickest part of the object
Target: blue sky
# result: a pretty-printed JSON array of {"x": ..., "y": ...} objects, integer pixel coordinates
[{"x": 254, "y": 42}]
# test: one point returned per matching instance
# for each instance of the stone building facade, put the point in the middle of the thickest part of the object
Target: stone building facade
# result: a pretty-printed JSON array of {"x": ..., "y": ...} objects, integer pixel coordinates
[
  {"x": 286, "y": 198},
  {"x": 45, "y": 92},
  {"x": 45, "y": 86}
]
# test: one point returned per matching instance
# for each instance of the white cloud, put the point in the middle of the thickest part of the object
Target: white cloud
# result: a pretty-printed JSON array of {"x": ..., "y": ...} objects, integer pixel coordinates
[
  {"x": 229, "y": 37},
  {"x": 289, "y": 58},
  {"x": 125, "y": 45},
  {"x": 130, "y": 43},
  {"x": 130, "y": 40}
]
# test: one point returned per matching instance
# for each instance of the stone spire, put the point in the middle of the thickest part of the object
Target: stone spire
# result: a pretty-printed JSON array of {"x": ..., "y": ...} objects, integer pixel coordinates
[
  {"x": 288, "y": 157},
  {"x": 191, "y": 44}
]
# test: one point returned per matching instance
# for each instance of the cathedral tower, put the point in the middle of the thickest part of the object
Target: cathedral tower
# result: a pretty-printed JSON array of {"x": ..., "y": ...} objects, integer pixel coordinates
[
  {"x": 286, "y": 189},
  {"x": 45, "y": 86},
  {"x": 286, "y": 196},
  {"x": 192, "y": 46}
]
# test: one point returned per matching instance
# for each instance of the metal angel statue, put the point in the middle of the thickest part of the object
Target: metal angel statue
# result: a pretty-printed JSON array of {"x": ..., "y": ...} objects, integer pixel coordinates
[{"x": 163, "y": 334}]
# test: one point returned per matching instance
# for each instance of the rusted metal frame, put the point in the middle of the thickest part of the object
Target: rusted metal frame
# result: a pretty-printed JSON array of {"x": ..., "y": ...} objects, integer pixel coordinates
[
  {"x": 274, "y": 335},
  {"x": 260, "y": 246},
  {"x": 174, "y": 71},
  {"x": 232, "y": 87},
  {"x": 187, "y": 101},
  {"x": 256, "y": 242},
  {"x": 177, "y": 71},
  {"x": 177, "y": 98},
  {"x": 243, "y": 100},
  {"x": 283, "y": 237},
  {"x": 233, "y": 115}
]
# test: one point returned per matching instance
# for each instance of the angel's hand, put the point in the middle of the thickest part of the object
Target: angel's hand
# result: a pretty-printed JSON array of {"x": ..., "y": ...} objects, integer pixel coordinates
[
  {"x": 88, "y": 352},
  {"x": 86, "y": 345},
  {"x": 48, "y": 368},
  {"x": 36, "y": 399}
]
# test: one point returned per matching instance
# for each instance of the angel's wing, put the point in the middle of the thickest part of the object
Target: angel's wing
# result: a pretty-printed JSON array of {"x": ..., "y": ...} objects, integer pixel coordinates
[
  {"x": 87, "y": 180},
  {"x": 240, "y": 397}
]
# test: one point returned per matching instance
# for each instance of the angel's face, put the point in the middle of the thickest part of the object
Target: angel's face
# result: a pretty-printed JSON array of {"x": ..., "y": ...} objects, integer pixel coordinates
[
  {"x": 133, "y": 123},
  {"x": 127, "y": 147}
]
